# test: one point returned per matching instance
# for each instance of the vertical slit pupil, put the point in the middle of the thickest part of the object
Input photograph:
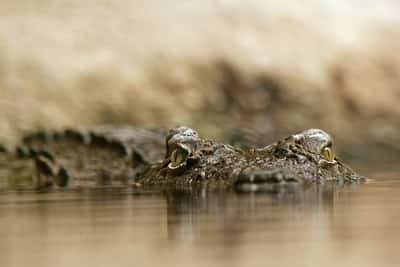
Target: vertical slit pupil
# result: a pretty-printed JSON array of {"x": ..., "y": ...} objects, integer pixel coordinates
[
  {"x": 178, "y": 156},
  {"x": 328, "y": 154}
]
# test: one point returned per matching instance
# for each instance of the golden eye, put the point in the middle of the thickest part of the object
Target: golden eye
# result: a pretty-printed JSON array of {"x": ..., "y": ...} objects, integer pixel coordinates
[
  {"x": 328, "y": 154},
  {"x": 178, "y": 156}
]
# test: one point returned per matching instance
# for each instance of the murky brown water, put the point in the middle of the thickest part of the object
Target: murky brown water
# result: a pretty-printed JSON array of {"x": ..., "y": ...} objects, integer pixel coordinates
[{"x": 329, "y": 226}]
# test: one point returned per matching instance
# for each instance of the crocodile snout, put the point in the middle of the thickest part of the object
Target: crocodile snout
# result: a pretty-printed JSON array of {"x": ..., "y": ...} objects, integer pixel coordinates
[{"x": 265, "y": 180}]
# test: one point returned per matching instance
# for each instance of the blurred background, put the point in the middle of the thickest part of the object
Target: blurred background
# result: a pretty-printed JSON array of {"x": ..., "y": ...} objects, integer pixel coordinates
[{"x": 245, "y": 72}]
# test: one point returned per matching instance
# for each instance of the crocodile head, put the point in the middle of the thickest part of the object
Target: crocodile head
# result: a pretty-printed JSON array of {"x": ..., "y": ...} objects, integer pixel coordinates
[
  {"x": 181, "y": 144},
  {"x": 190, "y": 158},
  {"x": 301, "y": 158}
]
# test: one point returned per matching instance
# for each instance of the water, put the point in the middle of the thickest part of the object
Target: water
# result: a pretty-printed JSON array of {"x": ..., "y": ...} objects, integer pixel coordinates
[{"x": 354, "y": 225}]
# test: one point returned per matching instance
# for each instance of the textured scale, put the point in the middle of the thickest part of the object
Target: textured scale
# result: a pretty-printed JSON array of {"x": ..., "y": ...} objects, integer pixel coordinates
[{"x": 109, "y": 156}]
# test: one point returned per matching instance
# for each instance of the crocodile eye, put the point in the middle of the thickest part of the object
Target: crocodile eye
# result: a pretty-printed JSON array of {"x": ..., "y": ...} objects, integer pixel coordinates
[
  {"x": 327, "y": 153},
  {"x": 178, "y": 157}
]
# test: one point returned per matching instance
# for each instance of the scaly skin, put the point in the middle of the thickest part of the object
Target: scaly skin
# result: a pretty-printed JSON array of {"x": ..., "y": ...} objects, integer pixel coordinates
[
  {"x": 105, "y": 156},
  {"x": 295, "y": 160},
  {"x": 111, "y": 156}
]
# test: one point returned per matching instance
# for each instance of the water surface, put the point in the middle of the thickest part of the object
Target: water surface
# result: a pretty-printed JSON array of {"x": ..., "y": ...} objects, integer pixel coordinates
[{"x": 356, "y": 225}]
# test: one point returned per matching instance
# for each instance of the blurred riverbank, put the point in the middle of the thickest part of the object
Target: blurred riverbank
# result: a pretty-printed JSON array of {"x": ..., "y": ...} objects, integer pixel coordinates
[{"x": 228, "y": 68}]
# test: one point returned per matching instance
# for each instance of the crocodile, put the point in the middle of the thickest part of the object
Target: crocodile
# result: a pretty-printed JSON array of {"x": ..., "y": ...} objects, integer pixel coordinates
[{"x": 110, "y": 156}]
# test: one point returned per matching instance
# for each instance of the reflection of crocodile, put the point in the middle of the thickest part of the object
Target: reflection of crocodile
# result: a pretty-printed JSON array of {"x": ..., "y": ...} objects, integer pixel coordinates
[{"x": 109, "y": 156}]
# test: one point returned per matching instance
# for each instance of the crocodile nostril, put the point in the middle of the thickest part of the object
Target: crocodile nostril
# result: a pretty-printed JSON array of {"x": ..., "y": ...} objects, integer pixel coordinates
[
  {"x": 269, "y": 181},
  {"x": 265, "y": 176}
]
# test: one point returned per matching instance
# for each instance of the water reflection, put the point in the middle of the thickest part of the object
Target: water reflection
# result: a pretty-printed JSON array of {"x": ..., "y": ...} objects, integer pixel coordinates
[
  {"x": 235, "y": 214},
  {"x": 336, "y": 225}
]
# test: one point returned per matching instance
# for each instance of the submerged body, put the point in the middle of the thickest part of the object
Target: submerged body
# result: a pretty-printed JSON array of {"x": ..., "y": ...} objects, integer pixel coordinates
[
  {"x": 127, "y": 156},
  {"x": 303, "y": 158}
]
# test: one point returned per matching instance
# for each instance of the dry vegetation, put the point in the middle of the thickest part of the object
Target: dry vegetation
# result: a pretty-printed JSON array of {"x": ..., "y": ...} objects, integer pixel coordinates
[{"x": 265, "y": 67}]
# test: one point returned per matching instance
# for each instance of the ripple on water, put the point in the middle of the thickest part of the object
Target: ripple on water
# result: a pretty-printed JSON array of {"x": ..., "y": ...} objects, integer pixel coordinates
[{"x": 347, "y": 225}]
